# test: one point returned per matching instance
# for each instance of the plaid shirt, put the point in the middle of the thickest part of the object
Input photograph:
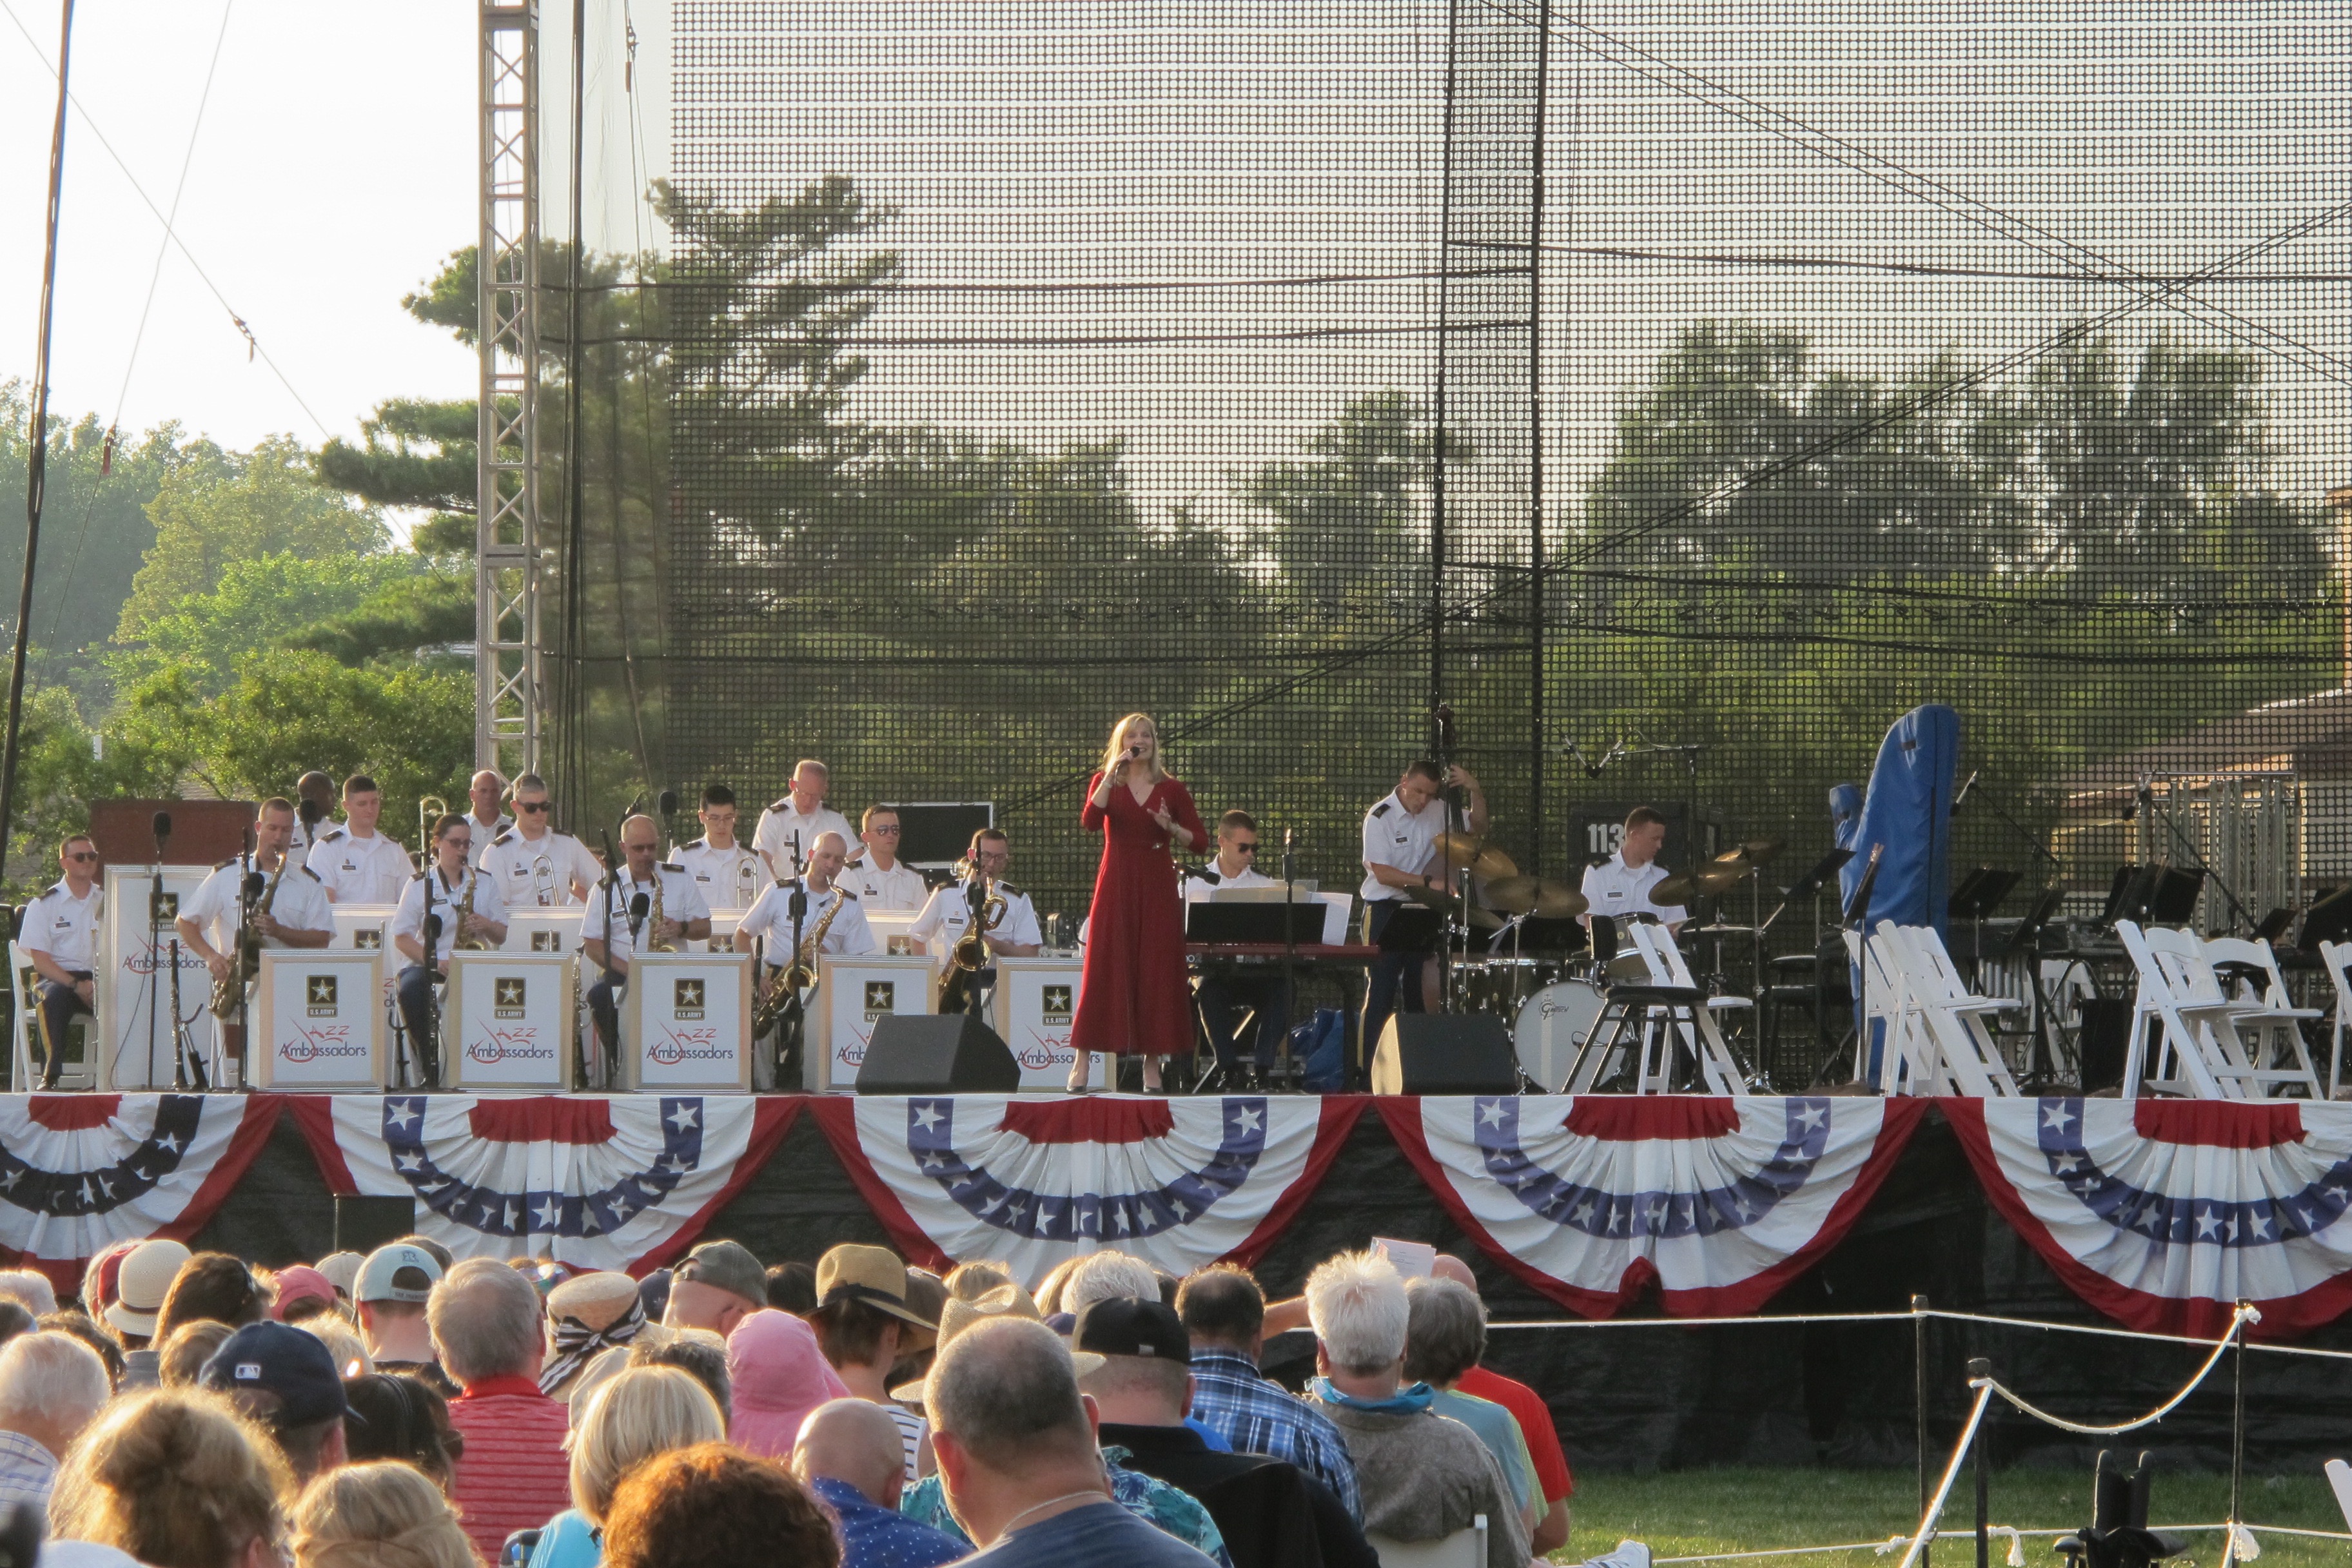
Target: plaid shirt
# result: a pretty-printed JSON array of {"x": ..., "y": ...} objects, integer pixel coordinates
[
  {"x": 27, "y": 1468},
  {"x": 1234, "y": 1400}
]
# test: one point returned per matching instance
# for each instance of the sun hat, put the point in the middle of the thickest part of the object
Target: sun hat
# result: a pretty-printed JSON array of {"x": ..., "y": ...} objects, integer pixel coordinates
[
  {"x": 873, "y": 1275},
  {"x": 148, "y": 1270},
  {"x": 1004, "y": 1301}
]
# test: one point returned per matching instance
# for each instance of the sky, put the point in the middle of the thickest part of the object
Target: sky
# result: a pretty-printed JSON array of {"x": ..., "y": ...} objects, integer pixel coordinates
[{"x": 331, "y": 172}]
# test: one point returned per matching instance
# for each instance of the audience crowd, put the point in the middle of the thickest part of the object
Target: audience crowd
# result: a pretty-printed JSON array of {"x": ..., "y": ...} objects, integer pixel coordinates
[{"x": 409, "y": 1410}]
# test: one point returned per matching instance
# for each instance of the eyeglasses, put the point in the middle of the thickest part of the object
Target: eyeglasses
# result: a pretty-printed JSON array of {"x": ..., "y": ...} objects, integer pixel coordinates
[
  {"x": 534, "y": 806},
  {"x": 893, "y": 830},
  {"x": 1244, "y": 848},
  {"x": 83, "y": 854}
]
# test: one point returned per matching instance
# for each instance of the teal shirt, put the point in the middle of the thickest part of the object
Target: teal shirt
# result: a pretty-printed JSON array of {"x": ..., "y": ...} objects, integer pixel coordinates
[
  {"x": 1499, "y": 1430},
  {"x": 568, "y": 1541},
  {"x": 1167, "y": 1508}
]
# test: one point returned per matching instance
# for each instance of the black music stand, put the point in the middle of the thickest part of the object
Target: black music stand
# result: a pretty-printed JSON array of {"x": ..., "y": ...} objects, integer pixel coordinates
[
  {"x": 1857, "y": 915},
  {"x": 2025, "y": 943},
  {"x": 1980, "y": 893}
]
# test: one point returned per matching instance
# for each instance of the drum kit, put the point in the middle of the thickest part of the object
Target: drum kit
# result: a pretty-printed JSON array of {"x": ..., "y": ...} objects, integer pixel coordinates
[{"x": 1553, "y": 992}]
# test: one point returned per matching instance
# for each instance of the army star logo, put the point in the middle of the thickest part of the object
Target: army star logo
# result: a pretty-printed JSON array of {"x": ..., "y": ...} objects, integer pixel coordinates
[
  {"x": 322, "y": 990},
  {"x": 510, "y": 991},
  {"x": 881, "y": 995},
  {"x": 1056, "y": 1001},
  {"x": 690, "y": 994}
]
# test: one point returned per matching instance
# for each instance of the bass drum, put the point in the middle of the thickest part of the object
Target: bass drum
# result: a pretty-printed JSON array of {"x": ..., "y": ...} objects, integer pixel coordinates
[{"x": 1551, "y": 1026}]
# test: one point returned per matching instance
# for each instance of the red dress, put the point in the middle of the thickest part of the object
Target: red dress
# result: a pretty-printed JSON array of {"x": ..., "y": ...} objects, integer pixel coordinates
[{"x": 1135, "y": 996}]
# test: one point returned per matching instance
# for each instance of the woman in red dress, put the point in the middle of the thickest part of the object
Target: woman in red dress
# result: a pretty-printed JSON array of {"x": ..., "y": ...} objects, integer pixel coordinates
[{"x": 1134, "y": 997}]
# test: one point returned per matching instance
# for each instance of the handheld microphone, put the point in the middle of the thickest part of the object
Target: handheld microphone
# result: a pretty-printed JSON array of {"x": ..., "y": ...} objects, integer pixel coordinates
[
  {"x": 639, "y": 904},
  {"x": 669, "y": 802},
  {"x": 253, "y": 886}
]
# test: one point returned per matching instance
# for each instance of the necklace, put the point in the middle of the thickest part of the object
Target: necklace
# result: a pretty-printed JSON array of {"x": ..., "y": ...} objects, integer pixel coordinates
[{"x": 1049, "y": 1502}]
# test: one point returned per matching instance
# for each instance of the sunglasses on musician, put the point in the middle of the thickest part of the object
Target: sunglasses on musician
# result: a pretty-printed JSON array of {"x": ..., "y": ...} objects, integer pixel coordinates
[{"x": 534, "y": 806}]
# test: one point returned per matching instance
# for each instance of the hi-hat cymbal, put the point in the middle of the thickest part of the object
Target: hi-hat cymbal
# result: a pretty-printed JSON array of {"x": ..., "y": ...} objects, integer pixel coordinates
[
  {"x": 1482, "y": 919},
  {"x": 1469, "y": 852},
  {"x": 1537, "y": 896}
]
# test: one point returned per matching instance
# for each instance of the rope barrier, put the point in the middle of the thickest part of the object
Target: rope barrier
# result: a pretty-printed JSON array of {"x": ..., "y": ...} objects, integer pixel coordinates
[
  {"x": 2015, "y": 1536},
  {"x": 2244, "y": 1314},
  {"x": 1920, "y": 1536}
]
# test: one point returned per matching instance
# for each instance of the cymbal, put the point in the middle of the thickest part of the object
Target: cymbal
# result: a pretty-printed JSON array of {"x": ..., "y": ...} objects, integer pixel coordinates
[
  {"x": 1482, "y": 919},
  {"x": 1469, "y": 852},
  {"x": 1715, "y": 876},
  {"x": 1720, "y": 931},
  {"x": 1755, "y": 852},
  {"x": 1675, "y": 892},
  {"x": 1537, "y": 896}
]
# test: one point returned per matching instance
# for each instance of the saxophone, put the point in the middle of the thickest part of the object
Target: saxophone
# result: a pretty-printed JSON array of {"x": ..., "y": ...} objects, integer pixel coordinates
[
  {"x": 796, "y": 976},
  {"x": 229, "y": 989},
  {"x": 654, "y": 941},
  {"x": 969, "y": 956},
  {"x": 464, "y": 912}
]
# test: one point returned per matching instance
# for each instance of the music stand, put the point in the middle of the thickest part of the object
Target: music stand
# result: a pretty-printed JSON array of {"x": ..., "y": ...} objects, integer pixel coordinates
[
  {"x": 2329, "y": 919},
  {"x": 2026, "y": 942},
  {"x": 1980, "y": 893}
]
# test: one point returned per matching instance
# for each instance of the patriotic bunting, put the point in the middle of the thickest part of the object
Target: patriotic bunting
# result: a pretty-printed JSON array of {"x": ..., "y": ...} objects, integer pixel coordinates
[
  {"x": 1589, "y": 1198},
  {"x": 2164, "y": 1213},
  {"x": 625, "y": 1182},
  {"x": 1029, "y": 1181},
  {"x": 80, "y": 1172}
]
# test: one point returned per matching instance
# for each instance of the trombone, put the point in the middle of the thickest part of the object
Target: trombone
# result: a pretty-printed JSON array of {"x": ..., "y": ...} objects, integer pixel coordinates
[{"x": 430, "y": 809}]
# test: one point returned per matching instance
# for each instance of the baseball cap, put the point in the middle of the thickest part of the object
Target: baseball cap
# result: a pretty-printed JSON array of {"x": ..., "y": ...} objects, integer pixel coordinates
[
  {"x": 1124, "y": 1325},
  {"x": 301, "y": 1283},
  {"x": 342, "y": 1271},
  {"x": 276, "y": 1358},
  {"x": 397, "y": 1272},
  {"x": 148, "y": 1270},
  {"x": 729, "y": 1266},
  {"x": 873, "y": 1275}
]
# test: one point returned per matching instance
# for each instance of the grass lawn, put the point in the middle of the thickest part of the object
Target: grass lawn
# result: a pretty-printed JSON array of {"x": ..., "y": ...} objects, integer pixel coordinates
[{"x": 1690, "y": 1512}]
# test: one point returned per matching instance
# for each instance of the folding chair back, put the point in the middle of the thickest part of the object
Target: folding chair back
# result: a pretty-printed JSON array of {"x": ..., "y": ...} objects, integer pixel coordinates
[{"x": 2337, "y": 957}]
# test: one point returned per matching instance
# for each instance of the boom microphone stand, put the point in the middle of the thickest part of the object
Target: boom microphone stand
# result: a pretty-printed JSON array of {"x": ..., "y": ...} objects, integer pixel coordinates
[
  {"x": 162, "y": 829},
  {"x": 248, "y": 892},
  {"x": 428, "y": 1054},
  {"x": 1284, "y": 1061},
  {"x": 610, "y": 887},
  {"x": 792, "y": 1029}
]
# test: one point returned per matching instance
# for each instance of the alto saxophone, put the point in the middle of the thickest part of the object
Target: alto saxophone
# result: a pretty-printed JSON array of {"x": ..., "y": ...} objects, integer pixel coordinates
[
  {"x": 969, "y": 956},
  {"x": 464, "y": 912},
  {"x": 655, "y": 941},
  {"x": 796, "y": 976},
  {"x": 229, "y": 989}
]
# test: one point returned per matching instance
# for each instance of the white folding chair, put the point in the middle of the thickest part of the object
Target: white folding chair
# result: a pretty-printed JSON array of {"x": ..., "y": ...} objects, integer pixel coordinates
[
  {"x": 2266, "y": 1013},
  {"x": 1701, "y": 1037},
  {"x": 1463, "y": 1548},
  {"x": 2191, "y": 1051},
  {"x": 2337, "y": 957},
  {"x": 79, "y": 1069},
  {"x": 1960, "y": 1054},
  {"x": 1887, "y": 1054}
]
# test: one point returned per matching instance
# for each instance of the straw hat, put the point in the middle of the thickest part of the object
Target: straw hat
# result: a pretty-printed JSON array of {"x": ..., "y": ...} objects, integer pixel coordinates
[
  {"x": 1004, "y": 1301},
  {"x": 147, "y": 1273},
  {"x": 873, "y": 1275}
]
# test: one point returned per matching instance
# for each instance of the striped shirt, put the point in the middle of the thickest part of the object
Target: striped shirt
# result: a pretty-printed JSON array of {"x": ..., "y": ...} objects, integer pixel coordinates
[
  {"x": 27, "y": 1468},
  {"x": 514, "y": 1474},
  {"x": 910, "y": 1436},
  {"x": 1234, "y": 1399}
]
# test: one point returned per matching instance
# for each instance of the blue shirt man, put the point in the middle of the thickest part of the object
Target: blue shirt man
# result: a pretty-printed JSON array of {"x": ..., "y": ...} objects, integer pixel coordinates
[{"x": 849, "y": 1454}]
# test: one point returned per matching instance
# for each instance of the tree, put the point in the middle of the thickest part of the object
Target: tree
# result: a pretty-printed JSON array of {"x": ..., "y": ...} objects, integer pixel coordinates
[
  {"x": 258, "y": 603},
  {"x": 264, "y": 503}
]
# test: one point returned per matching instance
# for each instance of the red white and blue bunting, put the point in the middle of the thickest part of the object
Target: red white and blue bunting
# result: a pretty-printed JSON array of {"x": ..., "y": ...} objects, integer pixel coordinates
[
  {"x": 2164, "y": 1213},
  {"x": 81, "y": 1171},
  {"x": 1589, "y": 1199},
  {"x": 1029, "y": 1181},
  {"x": 626, "y": 1181}
]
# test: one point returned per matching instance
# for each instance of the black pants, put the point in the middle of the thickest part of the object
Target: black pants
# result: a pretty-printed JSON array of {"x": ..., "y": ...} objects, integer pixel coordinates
[
  {"x": 58, "y": 1006},
  {"x": 604, "y": 1008},
  {"x": 417, "y": 1013},
  {"x": 1223, "y": 998},
  {"x": 1389, "y": 972}
]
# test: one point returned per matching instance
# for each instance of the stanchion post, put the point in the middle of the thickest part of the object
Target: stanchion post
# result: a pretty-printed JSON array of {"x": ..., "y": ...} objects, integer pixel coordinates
[
  {"x": 2237, "y": 1432},
  {"x": 1979, "y": 1369},
  {"x": 1919, "y": 1398}
]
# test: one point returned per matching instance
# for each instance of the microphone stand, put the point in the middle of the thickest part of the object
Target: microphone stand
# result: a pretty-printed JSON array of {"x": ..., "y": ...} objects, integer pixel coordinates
[
  {"x": 428, "y": 1056},
  {"x": 792, "y": 1029},
  {"x": 1857, "y": 914},
  {"x": 2237, "y": 911},
  {"x": 247, "y": 893},
  {"x": 155, "y": 952},
  {"x": 2043, "y": 1071},
  {"x": 1288, "y": 1069},
  {"x": 611, "y": 886}
]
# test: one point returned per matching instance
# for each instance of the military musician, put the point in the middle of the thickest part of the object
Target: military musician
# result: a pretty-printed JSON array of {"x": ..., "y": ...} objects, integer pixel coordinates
[
  {"x": 484, "y": 792},
  {"x": 533, "y": 865},
  {"x": 59, "y": 931},
  {"x": 729, "y": 875},
  {"x": 318, "y": 789},
  {"x": 1225, "y": 997},
  {"x": 879, "y": 879},
  {"x": 789, "y": 827},
  {"x": 289, "y": 906},
  {"x": 1016, "y": 933},
  {"x": 461, "y": 903},
  {"x": 621, "y": 916},
  {"x": 1400, "y": 842},
  {"x": 353, "y": 862},
  {"x": 1620, "y": 886},
  {"x": 771, "y": 918}
]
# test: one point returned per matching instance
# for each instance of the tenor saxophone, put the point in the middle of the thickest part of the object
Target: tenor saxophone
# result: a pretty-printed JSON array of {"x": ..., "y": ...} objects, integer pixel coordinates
[
  {"x": 796, "y": 976},
  {"x": 464, "y": 912},
  {"x": 655, "y": 941},
  {"x": 229, "y": 989},
  {"x": 969, "y": 956}
]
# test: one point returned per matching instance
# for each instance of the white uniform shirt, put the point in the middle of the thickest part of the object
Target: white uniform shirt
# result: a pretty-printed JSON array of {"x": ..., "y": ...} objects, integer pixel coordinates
[
  {"x": 848, "y": 937},
  {"x": 900, "y": 887},
  {"x": 1404, "y": 840},
  {"x": 1617, "y": 891},
  {"x": 946, "y": 914},
  {"x": 485, "y": 832},
  {"x": 64, "y": 927},
  {"x": 512, "y": 862},
  {"x": 681, "y": 902},
  {"x": 355, "y": 870},
  {"x": 720, "y": 874},
  {"x": 783, "y": 820},
  {"x": 301, "y": 903},
  {"x": 409, "y": 921},
  {"x": 1205, "y": 881}
]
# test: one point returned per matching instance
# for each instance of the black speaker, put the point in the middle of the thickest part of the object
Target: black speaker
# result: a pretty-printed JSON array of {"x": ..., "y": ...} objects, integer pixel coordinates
[
  {"x": 2103, "y": 1041},
  {"x": 928, "y": 1054},
  {"x": 1435, "y": 1053},
  {"x": 364, "y": 1224}
]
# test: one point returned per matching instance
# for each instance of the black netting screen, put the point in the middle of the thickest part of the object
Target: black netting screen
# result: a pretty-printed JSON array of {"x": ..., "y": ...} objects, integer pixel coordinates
[{"x": 1021, "y": 364}]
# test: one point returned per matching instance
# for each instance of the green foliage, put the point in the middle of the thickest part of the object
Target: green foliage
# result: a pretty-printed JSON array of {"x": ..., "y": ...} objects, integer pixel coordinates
[
  {"x": 412, "y": 453},
  {"x": 95, "y": 528},
  {"x": 289, "y": 710},
  {"x": 258, "y": 603},
  {"x": 413, "y": 612},
  {"x": 60, "y": 771},
  {"x": 259, "y": 503}
]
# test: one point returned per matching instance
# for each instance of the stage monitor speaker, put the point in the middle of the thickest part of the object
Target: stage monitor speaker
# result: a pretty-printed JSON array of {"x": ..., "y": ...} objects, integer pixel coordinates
[
  {"x": 362, "y": 1225},
  {"x": 2103, "y": 1041},
  {"x": 1436, "y": 1052},
  {"x": 928, "y": 1054}
]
